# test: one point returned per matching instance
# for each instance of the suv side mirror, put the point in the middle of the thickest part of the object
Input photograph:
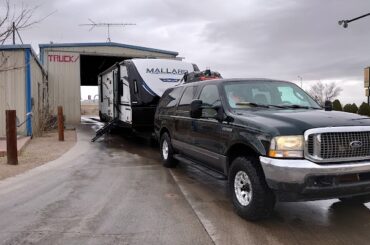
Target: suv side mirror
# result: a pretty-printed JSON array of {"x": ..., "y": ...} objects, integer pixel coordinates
[
  {"x": 196, "y": 109},
  {"x": 328, "y": 105}
]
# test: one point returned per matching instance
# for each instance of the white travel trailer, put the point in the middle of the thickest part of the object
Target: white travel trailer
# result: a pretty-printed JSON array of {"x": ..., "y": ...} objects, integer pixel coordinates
[{"x": 129, "y": 91}]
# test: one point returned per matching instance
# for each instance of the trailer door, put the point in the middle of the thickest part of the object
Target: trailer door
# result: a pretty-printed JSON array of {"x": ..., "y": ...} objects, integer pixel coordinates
[
  {"x": 106, "y": 99},
  {"x": 125, "y": 107}
]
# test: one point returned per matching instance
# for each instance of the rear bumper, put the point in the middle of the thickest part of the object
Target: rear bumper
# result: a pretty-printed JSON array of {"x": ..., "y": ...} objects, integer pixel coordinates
[{"x": 296, "y": 180}]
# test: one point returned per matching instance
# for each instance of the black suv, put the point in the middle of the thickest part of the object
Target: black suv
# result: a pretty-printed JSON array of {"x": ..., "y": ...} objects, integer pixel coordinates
[{"x": 269, "y": 138}]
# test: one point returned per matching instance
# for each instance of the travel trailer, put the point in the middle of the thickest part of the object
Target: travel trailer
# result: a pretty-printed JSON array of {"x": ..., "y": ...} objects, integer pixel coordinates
[{"x": 130, "y": 91}]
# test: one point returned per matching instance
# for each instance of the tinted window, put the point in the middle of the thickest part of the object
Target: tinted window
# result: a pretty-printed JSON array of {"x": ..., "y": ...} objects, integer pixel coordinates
[
  {"x": 187, "y": 97},
  {"x": 210, "y": 96},
  {"x": 171, "y": 97}
]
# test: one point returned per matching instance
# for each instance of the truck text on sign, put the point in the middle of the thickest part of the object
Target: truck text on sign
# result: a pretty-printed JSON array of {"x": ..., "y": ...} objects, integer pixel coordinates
[{"x": 62, "y": 58}]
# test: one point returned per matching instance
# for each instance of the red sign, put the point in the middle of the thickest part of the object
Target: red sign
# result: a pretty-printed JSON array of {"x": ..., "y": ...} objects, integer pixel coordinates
[{"x": 62, "y": 58}]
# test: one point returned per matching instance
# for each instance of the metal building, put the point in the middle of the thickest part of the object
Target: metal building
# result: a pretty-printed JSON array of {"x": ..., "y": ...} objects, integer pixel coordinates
[
  {"x": 23, "y": 87},
  {"x": 71, "y": 65}
]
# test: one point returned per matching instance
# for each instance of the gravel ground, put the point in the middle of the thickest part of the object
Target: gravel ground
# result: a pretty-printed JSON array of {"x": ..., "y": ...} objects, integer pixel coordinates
[{"x": 39, "y": 150}]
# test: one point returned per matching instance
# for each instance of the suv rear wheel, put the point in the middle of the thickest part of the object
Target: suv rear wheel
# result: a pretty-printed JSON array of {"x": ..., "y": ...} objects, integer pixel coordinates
[
  {"x": 251, "y": 197},
  {"x": 167, "y": 151}
]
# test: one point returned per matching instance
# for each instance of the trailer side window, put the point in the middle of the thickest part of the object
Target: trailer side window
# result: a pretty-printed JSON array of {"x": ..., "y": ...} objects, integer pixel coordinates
[
  {"x": 135, "y": 87},
  {"x": 101, "y": 89}
]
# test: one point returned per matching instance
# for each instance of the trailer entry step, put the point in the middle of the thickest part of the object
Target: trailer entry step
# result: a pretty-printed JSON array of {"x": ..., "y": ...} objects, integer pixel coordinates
[{"x": 111, "y": 124}]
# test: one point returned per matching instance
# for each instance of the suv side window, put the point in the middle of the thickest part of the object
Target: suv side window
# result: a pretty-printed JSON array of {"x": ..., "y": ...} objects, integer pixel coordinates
[
  {"x": 172, "y": 97},
  {"x": 186, "y": 99},
  {"x": 210, "y": 97}
]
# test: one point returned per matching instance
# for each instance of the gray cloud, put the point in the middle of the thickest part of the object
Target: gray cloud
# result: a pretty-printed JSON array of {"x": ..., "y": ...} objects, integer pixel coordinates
[{"x": 274, "y": 38}]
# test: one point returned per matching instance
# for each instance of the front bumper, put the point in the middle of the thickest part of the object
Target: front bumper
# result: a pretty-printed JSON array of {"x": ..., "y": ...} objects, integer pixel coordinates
[{"x": 296, "y": 180}]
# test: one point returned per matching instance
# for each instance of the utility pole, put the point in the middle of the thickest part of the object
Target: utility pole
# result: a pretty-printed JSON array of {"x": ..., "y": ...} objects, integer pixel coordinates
[
  {"x": 14, "y": 30},
  {"x": 108, "y": 25}
]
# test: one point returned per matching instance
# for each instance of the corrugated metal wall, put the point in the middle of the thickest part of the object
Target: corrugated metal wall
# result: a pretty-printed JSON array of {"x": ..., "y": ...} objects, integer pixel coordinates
[
  {"x": 63, "y": 66},
  {"x": 12, "y": 87},
  {"x": 64, "y": 84},
  {"x": 39, "y": 95}
]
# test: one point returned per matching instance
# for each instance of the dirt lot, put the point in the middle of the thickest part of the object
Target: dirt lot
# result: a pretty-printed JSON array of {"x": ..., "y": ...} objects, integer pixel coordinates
[
  {"x": 39, "y": 151},
  {"x": 90, "y": 109}
]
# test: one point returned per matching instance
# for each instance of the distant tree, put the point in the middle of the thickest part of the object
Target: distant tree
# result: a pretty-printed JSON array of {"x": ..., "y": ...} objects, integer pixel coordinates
[
  {"x": 337, "y": 106},
  {"x": 322, "y": 92},
  {"x": 347, "y": 108},
  {"x": 364, "y": 109},
  {"x": 354, "y": 108}
]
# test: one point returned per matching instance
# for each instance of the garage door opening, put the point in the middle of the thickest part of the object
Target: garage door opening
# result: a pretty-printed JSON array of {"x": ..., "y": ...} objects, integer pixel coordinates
[{"x": 90, "y": 67}]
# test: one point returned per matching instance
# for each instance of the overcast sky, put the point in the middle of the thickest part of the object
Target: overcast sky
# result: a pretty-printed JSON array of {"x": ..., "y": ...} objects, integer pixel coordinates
[{"x": 279, "y": 39}]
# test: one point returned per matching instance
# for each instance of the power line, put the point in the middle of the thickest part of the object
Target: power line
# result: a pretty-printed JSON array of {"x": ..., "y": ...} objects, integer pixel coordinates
[{"x": 93, "y": 24}]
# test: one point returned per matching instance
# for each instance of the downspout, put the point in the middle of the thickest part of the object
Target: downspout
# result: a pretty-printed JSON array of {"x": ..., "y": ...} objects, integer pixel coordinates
[{"x": 28, "y": 92}]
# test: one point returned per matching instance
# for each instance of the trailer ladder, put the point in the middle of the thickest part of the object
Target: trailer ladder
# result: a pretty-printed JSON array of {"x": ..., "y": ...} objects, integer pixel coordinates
[{"x": 105, "y": 129}]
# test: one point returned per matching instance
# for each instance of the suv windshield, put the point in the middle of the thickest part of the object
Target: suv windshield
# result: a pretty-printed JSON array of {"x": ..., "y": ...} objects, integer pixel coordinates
[{"x": 267, "y": 94}]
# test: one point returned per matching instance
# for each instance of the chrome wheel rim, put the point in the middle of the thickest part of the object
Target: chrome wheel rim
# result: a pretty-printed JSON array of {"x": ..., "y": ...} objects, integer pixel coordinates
[
  {"x": 165, "y": 149},
  {"x": 243, "y": 188}
]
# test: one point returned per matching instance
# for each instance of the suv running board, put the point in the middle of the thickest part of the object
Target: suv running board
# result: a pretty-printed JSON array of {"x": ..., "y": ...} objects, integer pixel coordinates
[{"x": 200, "y": 167}]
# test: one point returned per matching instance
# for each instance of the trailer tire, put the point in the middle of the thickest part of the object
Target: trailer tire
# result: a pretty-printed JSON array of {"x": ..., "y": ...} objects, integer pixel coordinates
[{"x": 167, "y": 151}]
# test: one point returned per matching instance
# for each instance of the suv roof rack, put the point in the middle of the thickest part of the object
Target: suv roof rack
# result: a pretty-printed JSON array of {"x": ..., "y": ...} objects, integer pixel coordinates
[{"x": 197, "y": 76}]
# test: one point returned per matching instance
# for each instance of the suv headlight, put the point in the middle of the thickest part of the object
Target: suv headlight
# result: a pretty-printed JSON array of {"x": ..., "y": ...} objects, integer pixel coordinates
[{"x": 287, "y": 147}]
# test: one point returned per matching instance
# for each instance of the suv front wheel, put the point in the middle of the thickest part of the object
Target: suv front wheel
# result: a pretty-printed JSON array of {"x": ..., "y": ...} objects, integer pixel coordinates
[
  {"x": 167, "y": 151},
  {"x": 251, "y": 197}
]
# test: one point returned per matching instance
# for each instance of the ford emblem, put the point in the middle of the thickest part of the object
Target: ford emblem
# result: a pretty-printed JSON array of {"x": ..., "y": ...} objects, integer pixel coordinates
[{"x": 355, "y": 144}]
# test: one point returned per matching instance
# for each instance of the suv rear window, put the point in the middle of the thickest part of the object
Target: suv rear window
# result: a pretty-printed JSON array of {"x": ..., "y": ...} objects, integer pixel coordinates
[
  {"x": 188, "y": 96},
  {"x": 171, "y": 97}
]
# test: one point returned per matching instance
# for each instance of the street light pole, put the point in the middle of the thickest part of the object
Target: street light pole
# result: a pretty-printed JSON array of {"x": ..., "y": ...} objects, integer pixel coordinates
[{"x": 345, "y": 22}]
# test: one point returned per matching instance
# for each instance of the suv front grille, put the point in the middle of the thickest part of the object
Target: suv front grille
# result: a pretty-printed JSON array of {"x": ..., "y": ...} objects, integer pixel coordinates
[{"x": 338, "y": 146}]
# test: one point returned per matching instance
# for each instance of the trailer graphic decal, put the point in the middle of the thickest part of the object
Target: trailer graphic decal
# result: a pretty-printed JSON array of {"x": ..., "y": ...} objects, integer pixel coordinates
[
  {"x": 169, "y": 80},
  {"x": 166, "y": 71}
]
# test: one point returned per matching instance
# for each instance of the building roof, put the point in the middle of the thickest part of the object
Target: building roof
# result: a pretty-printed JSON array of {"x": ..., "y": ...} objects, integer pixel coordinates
[
  {"x": 9, "y": 47},
  {"x": 15, "y": 46},
  {"x": 106, "y": 44}
]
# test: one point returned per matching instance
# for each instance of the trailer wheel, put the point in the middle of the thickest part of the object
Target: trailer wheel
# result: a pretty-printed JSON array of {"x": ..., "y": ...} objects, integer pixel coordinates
[
  {"x": 250, "y": 195},
  {"x": 167, "y": 151}
]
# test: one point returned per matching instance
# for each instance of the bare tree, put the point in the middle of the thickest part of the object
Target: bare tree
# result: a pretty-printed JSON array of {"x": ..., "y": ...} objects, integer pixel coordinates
[
  {"x": 322, "y": 92},
  {"x": 15, "y": 19},
  {"x": 12, "y": 20}
]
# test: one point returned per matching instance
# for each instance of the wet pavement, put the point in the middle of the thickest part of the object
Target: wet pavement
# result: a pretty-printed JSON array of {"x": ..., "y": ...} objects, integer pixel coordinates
[
  {"x": 107, "y": 192},
  {"x": 115, "y": 191}
]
